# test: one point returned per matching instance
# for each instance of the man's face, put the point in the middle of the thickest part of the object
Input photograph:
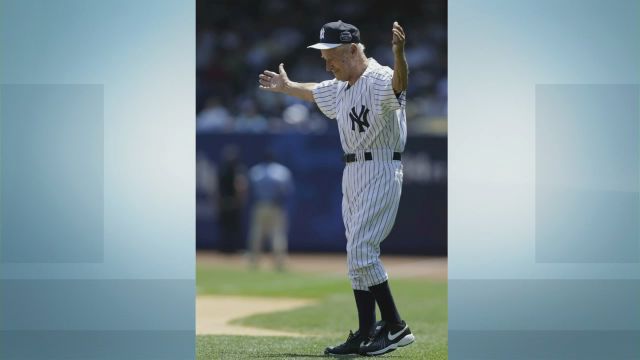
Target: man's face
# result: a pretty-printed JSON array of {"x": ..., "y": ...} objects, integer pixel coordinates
[{"x": 336, "y": 60}]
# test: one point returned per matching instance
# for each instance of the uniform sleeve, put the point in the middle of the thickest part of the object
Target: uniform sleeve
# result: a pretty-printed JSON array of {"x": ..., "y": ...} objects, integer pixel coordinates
[
  {"x": 325, "y": 97},
  {"x": 384, "y": 95}
]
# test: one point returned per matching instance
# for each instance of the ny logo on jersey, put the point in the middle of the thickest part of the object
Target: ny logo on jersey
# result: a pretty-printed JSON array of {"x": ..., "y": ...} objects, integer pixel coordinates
[{"x": 359, "y": 118}]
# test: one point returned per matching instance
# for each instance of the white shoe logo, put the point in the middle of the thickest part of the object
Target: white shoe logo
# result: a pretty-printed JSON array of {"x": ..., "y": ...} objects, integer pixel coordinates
[{"x": 394, "y": 336}]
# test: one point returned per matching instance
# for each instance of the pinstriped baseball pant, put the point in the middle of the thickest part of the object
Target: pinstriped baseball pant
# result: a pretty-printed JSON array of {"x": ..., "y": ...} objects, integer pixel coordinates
[{"x": 370, "y": 198}]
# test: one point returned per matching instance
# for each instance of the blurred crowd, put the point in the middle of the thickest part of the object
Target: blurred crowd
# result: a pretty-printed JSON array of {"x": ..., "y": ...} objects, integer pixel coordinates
[{"x": 237, "y": 40}]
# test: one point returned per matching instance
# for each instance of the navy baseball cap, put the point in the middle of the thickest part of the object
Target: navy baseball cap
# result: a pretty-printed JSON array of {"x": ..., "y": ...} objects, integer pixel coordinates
[{"x": 336, "y": 33}]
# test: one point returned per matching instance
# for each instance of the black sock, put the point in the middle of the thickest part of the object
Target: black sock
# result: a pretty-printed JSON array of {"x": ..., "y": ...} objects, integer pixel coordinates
[
  {"x": 387, "y": 306},
  {"x": 366, "y": 304}
]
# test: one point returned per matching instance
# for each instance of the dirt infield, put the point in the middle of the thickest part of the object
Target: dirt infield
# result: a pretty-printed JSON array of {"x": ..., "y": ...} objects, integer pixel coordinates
[
  {"x": 434, "y": 268},
  {"x": 213, "y": 314}
]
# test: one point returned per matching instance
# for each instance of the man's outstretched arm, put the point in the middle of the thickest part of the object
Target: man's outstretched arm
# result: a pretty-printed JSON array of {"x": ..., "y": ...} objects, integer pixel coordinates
[
  {"x": 400, "y": 80},
  {"x": 279, "y": 82}
]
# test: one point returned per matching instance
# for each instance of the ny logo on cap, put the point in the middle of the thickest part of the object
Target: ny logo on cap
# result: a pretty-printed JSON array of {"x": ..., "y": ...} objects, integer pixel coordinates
[{"x": 322, "y": 34}]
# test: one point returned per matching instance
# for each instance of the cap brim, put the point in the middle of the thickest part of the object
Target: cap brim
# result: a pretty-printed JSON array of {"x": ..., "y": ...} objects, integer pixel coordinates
[{"x": 323, "y": 46}]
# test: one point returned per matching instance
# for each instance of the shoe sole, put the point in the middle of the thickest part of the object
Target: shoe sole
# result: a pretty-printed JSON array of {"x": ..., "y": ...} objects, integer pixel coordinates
[
  {"x": 340, "y": 355},
  {"x": 406, "y": 340},
  {"x": 326, "y": 352}
]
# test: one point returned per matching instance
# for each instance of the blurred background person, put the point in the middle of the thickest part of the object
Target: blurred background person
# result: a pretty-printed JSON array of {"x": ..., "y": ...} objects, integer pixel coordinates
[
  {"x": 232, "y": 183},
  {"x": 272, "y": 189}
]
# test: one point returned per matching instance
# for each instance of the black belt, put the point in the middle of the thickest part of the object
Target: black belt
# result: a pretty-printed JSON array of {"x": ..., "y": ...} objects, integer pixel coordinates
[{"x": 348, "y": 158}]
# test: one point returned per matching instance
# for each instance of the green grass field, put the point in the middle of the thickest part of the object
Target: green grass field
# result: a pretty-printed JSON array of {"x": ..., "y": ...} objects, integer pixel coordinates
[{"x": 422, "y": 303}]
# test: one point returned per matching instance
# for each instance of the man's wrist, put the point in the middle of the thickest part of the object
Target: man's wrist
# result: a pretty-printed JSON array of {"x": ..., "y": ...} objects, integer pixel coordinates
[
  {"x": 288, "y": 85},
  {"x": 292, "y": 84}
]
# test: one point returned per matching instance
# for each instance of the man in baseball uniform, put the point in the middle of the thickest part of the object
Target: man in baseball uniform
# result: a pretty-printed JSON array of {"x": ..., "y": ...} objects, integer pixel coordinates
[{"x": 368, "y": 102}]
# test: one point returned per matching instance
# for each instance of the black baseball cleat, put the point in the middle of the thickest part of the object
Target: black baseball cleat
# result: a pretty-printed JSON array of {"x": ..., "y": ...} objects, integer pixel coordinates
[
  {"x": 350, "y": 347},
  {"x": 387, "y": 338}
]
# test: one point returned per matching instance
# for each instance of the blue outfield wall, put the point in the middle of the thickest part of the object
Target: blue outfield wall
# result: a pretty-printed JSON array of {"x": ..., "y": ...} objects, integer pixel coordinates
[{"x": 315, "y": 216}]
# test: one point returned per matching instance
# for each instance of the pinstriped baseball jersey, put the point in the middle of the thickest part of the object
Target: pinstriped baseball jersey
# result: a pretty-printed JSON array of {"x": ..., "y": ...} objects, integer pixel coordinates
[
  {"x": 369, "y": 114},
  {"x": 370, "y": 119}
]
